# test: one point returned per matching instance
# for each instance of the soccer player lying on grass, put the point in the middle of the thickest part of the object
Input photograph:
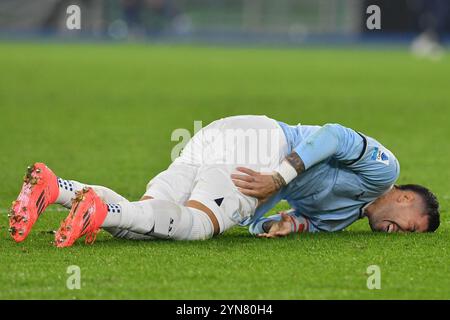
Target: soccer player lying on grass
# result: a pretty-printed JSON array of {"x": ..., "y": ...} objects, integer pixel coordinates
[{"x": 330, "y": 175}]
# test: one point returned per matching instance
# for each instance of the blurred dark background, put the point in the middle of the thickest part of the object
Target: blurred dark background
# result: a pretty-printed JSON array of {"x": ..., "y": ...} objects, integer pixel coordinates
[{"x": 289, "y": 21}]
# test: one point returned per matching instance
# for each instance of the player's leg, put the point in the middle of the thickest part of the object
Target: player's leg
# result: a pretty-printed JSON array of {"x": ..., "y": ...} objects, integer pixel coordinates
[
  {"x": 68, "y": 189},
  {"x": 42, "y": 188},
  {"x": 164, "y": 215},
  {"x": 214, "y": 206},
  {"x": 161, "y": 215},
  {"x": 155, "y": 218},
  {"x": 173, "y": 185},
  {"x": 162, "y": 219},
  {"x": 217, "y": 196}
]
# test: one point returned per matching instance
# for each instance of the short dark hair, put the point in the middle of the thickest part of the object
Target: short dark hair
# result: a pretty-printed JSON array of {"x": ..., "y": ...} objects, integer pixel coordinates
[{"x": 431, "y": 204}]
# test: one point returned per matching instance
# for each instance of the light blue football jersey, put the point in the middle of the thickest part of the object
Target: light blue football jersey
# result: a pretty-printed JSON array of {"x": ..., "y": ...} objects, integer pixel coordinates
[{"x": 345, "y": 171}]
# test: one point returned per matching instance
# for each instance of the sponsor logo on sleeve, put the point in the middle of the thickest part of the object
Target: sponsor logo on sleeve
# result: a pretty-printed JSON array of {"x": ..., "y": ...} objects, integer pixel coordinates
[{"x": 380, "y": 155}]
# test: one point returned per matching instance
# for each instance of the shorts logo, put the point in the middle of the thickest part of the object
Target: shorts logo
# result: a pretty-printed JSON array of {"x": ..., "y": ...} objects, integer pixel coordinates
[
  {"x": 218, "y": 201},
  {"x": 380, "y": 156}
]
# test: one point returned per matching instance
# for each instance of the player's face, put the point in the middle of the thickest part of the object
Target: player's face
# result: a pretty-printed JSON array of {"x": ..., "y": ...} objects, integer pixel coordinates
[{"x": 399, "y": 213}]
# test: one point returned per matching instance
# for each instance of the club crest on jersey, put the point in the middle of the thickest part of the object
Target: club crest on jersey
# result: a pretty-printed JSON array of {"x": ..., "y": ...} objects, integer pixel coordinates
[{"x": 380, "y": 156}]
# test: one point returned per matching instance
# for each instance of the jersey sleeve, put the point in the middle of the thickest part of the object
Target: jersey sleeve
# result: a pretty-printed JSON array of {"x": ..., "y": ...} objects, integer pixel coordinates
[
  {"x": 377, "y": 166},
  {"x": 332, "y": 140}
]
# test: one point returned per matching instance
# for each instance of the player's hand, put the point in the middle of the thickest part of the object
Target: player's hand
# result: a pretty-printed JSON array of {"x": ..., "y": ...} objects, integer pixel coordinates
[
  {"x": 255, "y": 184},
  {"x": 281, "y": 228}
]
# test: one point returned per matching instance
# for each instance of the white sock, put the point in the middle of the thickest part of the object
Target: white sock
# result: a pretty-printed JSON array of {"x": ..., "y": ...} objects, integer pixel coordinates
[
  {"x": 67, "y": 189},
  {"x": 132, "y": 216},
  {"x": 159, "y": 218}
]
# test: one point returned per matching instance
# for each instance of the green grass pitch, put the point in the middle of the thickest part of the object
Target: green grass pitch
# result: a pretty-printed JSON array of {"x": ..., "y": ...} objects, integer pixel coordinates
[{"x": 104, "y": 114}]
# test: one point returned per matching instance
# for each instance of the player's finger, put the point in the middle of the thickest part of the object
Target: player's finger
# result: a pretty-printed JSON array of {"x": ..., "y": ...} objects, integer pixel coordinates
[
  {"x": 242, "y": 177},
  {"x": 265, "y": 235},
  {"x": 243, "y": 184},
  {"x": 262, "y": 235},
  {"x": 248, "y": 171}
]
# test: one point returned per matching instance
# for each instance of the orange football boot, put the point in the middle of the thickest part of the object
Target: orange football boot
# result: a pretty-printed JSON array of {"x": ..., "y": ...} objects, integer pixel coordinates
[
  {"x": 39, "y": 190},
  {"x": 85, "y": 218}
]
